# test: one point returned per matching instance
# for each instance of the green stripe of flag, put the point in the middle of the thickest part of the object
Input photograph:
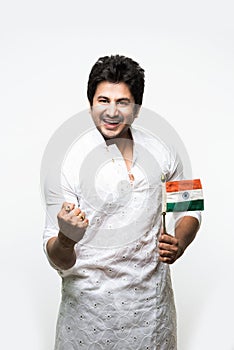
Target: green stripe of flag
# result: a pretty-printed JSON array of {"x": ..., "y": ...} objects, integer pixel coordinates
[{"x": 186, "y": 206}]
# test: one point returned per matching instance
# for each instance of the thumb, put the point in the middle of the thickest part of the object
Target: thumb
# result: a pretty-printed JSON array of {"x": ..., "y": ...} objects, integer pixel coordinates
[{"x": 163, "y": 231}]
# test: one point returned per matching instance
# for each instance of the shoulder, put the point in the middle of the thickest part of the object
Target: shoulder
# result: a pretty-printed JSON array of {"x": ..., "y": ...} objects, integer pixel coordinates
[
  {"x": 81, "y": 147},
  {"x": 153, "y": 142},
  {"x": 165, "y": 155}
]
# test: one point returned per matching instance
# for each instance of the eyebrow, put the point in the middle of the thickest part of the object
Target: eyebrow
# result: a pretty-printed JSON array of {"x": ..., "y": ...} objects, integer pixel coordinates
[{"x": 118, "y": 100}]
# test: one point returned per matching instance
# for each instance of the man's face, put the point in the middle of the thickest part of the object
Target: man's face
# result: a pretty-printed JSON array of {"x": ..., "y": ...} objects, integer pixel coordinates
[{"x": 113, "y": 109}]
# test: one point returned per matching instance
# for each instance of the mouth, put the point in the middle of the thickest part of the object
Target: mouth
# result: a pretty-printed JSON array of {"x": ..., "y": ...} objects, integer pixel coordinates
[{"x": 111, "y": 123}]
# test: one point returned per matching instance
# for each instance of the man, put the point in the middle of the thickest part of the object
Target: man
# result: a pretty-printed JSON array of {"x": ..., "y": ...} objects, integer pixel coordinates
[{"x": 108, "y": 246}]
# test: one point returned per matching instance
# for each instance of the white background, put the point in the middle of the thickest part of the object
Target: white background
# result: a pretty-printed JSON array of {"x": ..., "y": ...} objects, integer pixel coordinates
[{"x": 47, "y": 50}]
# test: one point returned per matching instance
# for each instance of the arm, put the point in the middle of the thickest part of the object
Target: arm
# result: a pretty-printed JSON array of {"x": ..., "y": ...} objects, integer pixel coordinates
[
  {"x": 72, "y": 226},
  {"x": 61, "y": 251},
  {"x": 170, "y": 247}
]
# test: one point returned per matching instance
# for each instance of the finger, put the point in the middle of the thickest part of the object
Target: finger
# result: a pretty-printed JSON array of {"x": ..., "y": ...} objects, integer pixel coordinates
[
  {"x": 81, "y": 223},
  {"x": 171, "y": 245},
  {"x": 79, "y": 219},
  {"x": 85, "y": 222},
  {"x": 81, "y": 216},
  {"x": 67, "y": 207},
  {"x": 76, "y": 211},
  {"x": 167, "y": 257},
  {"x": 166, "y": 253},
  {"x": 166, "y": 238},
  {"x": 167, "y": 247},
  {"x": 163, "y": 232},
  {"x": 166, "y": 260}
]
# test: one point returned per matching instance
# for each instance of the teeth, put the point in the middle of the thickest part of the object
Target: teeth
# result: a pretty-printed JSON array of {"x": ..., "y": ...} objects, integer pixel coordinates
[{"x": 111, "y": 121}]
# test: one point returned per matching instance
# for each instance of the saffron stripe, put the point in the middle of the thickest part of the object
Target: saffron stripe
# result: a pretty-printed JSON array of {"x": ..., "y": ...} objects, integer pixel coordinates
[
  {"x": 186, "y": 206},
  {"x": 183, "y": 185}
]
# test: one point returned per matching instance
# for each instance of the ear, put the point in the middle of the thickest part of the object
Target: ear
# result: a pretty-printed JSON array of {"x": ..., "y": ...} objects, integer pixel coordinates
[
  {"x": 90, "y": 109},
  {"x": 136, "y": 112}
]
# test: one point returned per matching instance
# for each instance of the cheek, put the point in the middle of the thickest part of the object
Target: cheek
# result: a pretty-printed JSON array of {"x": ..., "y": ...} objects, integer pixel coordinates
[
  {"x": 129, "y": 118},
  {"x": 96, "y": 113}
]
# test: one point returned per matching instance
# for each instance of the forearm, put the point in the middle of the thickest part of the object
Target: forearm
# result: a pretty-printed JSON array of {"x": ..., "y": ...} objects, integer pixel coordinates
[
  {"x": 61, "y": 251},
  {"x": 185, "y": 231}
]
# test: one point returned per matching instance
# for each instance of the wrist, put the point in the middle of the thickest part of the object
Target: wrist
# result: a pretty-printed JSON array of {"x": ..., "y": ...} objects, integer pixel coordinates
[
  {"x": 181, "y": 250},
  {"x": 65, "y": 242}
]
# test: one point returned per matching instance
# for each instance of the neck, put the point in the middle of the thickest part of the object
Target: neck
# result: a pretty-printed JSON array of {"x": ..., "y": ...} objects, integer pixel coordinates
[
  {"x": 120, "y": 141},
  {"x": 127, "y": 135}
]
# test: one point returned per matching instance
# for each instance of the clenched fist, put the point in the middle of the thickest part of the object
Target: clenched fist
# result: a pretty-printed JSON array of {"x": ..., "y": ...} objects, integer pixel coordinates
[
  {"x": 72, "y": 222},
  {"x": 169, "y": 248}
]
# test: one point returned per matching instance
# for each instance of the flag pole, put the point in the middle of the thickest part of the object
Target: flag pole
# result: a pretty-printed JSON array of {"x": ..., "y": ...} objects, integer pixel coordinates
[
  {"x": 164, "y": 221},
  {"x": 164, "y": 202}
]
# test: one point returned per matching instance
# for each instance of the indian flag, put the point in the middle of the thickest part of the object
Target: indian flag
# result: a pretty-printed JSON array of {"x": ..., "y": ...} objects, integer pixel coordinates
[{"x": 184, "y": 195}]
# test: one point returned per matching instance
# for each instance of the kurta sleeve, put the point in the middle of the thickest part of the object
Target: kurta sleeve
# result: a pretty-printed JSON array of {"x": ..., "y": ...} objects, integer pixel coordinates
[
  {"x": 176, "y": 173},
  {"x": 58, "y": 188}
]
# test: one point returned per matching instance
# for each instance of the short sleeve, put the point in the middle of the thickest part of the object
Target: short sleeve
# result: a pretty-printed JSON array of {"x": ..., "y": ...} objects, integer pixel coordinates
[
  {"x": 57, "y": 190},
  {"x": 176, "y": 173}
]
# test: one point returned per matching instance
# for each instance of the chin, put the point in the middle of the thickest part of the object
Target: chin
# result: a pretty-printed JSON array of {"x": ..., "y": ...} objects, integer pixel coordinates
[
  {"x": 107, "y": 134},
  {"x": 114, "y": 134}
]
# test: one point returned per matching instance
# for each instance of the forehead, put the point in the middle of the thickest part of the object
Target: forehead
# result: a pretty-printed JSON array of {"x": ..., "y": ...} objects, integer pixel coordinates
[{"x": 113, "y": 90}]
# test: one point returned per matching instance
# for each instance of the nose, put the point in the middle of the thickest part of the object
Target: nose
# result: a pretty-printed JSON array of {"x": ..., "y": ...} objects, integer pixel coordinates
[{"x": 112, "y": 110}]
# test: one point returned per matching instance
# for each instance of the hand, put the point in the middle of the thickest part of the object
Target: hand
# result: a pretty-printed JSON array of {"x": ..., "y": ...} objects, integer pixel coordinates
[
  {"x": 169, "y": 248},
  {"x": 72, "y": 224}
]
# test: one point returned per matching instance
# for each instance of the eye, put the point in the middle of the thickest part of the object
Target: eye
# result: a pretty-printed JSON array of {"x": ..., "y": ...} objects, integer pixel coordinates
[
  {"x": 103, "y": 101},
  {"x": 123, "y": 103}
]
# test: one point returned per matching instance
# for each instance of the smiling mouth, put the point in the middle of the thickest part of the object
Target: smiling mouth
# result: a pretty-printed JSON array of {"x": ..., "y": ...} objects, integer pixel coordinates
[{"x": 111, "y": 121}]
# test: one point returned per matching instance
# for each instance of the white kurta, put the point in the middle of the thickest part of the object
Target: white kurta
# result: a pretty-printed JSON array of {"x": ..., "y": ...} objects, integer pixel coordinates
[{"x": 117, "y": 295}]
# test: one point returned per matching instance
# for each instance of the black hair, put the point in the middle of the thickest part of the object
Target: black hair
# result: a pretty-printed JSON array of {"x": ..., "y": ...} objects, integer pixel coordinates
[{"x": 116, "y": 69}]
